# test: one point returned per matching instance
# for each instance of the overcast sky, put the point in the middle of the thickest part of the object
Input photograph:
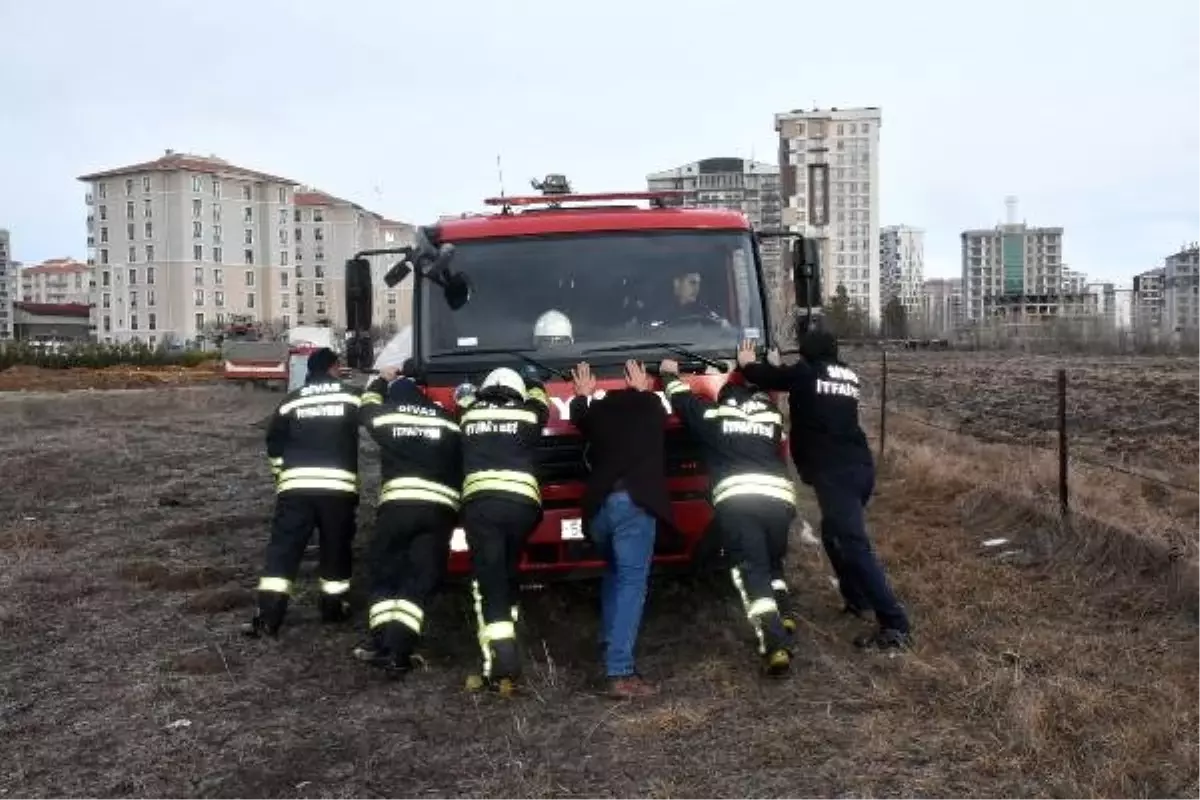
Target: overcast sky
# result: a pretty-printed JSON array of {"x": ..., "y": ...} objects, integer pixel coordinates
[{"x": 1089, "y": 112}]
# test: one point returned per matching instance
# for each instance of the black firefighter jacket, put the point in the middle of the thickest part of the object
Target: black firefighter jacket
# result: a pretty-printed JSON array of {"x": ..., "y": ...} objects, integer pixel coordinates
[
  {"x": 420, "y": 445},
  {"x": 501, "y": 433},
  {"x": 312, "y": 439},
  {"x": 740, "y": 442}
]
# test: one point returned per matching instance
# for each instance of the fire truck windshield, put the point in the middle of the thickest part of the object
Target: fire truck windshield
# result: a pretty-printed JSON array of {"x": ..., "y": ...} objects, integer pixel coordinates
[{"x": 556, "y": 297}]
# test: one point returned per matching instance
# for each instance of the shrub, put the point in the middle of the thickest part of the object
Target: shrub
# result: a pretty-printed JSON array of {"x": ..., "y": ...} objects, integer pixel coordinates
[{"x": 96, "y": 356}]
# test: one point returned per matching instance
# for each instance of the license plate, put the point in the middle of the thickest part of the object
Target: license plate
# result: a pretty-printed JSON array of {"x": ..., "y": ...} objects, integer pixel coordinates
[
  {"x": 458, "y": 541},
  {"x": 571, "y": 529}
]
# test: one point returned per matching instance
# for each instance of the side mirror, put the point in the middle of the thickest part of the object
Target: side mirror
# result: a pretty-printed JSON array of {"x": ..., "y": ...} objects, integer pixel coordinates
[
  {"x": 399, "y": 271},
  {"x": 806, "y": 272},
  {"x": 359, "y": 295},
  {"x": 457, "y": 291}
]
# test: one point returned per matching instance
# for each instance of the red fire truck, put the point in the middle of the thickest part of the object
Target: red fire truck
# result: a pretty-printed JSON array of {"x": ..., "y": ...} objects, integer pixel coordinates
[{"x": 647, "y": 282}]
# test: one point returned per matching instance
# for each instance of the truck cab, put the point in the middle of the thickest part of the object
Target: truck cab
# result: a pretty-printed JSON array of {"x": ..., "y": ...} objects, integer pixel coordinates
[{"x": 558, "y": 278}]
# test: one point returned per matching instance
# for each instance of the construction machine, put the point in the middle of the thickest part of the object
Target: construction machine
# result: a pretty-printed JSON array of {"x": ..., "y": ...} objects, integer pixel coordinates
[{"x": 556, "y": 278}]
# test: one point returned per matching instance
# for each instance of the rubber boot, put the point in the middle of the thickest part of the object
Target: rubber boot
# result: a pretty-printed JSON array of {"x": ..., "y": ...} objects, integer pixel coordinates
[
  {"x": 787, "y": 610},
  {"x": 506, "y": 666},
  {"x": 333, "y": 608},
  {"x": 272, "y": 608},
  {"x": 777, "y": 659}
]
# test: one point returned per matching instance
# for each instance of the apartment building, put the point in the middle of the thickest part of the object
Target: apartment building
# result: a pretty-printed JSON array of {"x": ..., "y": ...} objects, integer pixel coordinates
[
  {"x": 57, "y": 281},
  {"x": 941, "y": 307},
  {"x": 327, "y": 232},
  {"x": 181, "y": 244},
  {"x": 902, "y": 267},
  {"x": 1013, "y": 269},
  {"x": 1181, "y": 286},
  {"x": 8, "y": 287},
  {"x": 829, "y": 175},
  {"x": 1149, "y": 298},
  {"x": 1102, "y": 301},
  {"x": 751, "y": 187}
]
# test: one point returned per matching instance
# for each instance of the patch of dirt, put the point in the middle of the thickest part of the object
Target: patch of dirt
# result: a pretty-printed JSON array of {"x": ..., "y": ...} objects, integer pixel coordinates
[
  {"x": 1042, "y": 680},
  {"x": 40, "y": 379}
]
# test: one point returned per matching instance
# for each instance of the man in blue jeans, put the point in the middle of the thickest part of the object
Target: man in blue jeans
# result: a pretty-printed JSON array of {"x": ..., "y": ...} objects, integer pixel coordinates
[{"x": 624, "y": 500}]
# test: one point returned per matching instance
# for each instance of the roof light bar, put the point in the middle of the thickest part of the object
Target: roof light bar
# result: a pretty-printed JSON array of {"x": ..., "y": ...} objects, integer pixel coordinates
[{"x": 555, "y": 199}]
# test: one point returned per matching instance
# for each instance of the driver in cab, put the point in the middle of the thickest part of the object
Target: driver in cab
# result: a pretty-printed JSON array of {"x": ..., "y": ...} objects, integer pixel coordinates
[{"x": 687, "y": 307}]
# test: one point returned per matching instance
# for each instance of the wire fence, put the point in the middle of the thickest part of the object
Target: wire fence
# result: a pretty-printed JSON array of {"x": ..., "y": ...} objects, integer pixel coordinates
[{"x": 885, "y": 407}]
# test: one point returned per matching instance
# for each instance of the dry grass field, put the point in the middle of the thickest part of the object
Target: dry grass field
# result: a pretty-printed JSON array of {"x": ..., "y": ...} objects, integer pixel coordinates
[{"x": 131, "y": 528}]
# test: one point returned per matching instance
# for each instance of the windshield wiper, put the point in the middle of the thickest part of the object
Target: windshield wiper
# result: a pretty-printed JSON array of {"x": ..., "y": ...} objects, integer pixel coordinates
[
  {"x": 672, "y": 347},
  {"x": 501, "y": 351}
]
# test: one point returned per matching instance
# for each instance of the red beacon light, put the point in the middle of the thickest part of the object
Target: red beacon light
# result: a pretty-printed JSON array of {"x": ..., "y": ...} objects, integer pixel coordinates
[{"x": 556, "y": 190}]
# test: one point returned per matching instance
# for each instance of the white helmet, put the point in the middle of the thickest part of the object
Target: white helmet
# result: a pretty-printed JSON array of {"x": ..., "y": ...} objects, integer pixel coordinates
[
  {"x": 552, "y": 328},
  {"x": 506, "y": 378}
]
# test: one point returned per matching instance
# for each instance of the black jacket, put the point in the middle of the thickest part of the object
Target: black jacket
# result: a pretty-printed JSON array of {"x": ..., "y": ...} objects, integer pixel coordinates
[
  {"x": 823, "y": 405},
  {"x": 500, "y": 443},
  {"x": 312, "y": 439},
  {"x": 420, "y": 445},
  {"x": 624, "y": 434},
  {"x": 740, "y": 444}
]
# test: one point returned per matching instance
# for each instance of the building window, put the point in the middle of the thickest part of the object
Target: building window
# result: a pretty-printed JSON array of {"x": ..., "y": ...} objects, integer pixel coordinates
[
  {"x": 250, "y": 300},
  {"x": 249, "y": 277},
  {"x": 284, "y": 301},
  {"x": 132, "y": 277},
  {"x": 319, "y": 271},
  {"x": 219, "y": 276},
  {"x": 149, "y": 252},
  {"x": 197, "y": 230},
  {"x": 247, "y": 192},
  {"x": 151, "y": 297},
  {"x": 129, "y": 186},
  {"x": 319, "y": 289},
  {"x": 132, "y": 255},
  {"x": 199, "y": 321},
  {"x": 319, "y": 234},
  {"x": 147, "y": 209},
  {"x": 104, "y": 235},
  {"x": 217, "y": 256},
  {"x": 106, "y": 300},
  {"x": 149, "y": 230},
  {"x": 318, "y": 215},
  {"x": 216, "y": 187},
  {"x": 283, "y": 195},
  {"x": 106, "y": 278},
  {"x": 287, "y": 320},
  {"x": 102, "y": 190},
  {"x": 216, "y": 213},
  {"x": 320, "y": 309},
  {"x": 249, "y": 237},
  {"x": 133, "y": 300},
  {"x": 283, "y": 258},
  {"x": 217, "y": 234},
  {"x": 219, "y": 299},
  {"x": 249, "y": 256},
  {"x": 197, "y": 208},
  {"x": 198, "y": 276},
  {"x": 145, "y": 183},
  {"x": 108, "y": 324},
  {"x": 129, "y": 209},
  {"x": 130, "y": 231},
  {"x": 197, "y": 184},
  {"x": 283, "y": 236},
  {"x": 103, "y": 213},
  {"x": 197, "y": 252},
  {"x": 283, "y": 280},
  {"x": 299, "y": 234},
  {"x": 198, "y": 297},
  {"x": 152, "y": 321}
]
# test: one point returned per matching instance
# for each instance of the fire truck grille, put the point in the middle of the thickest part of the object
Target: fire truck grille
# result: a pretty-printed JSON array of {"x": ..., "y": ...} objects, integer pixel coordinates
[{"x": 561, "y": 457}]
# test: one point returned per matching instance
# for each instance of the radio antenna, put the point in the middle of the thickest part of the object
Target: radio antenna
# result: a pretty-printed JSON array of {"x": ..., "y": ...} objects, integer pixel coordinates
[{"x": 500, "y": 174}]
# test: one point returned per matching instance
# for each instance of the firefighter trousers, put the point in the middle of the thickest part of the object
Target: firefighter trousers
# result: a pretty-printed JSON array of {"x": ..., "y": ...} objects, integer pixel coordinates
[
  {"x": 408, "y": 558},
  {"x": 296, "y": 515},
  {"x": 497, "y": 529},
  {"x": 754, "y": 532}
]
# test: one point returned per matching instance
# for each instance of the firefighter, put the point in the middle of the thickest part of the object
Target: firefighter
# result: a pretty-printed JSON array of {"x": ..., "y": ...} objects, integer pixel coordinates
[
  {"x": 419, "y": 497},
  {"x": 831, "y": 454},
  {"x": 312, "y": 444},
  {"x": 752, "y": 496},
  {"x": 501, "y": 425}
]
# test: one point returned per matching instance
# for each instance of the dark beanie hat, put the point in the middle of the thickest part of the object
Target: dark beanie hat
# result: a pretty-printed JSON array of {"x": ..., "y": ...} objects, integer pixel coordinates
[
  {"x": 819, "y": 346},
  {"x": 321, "y": 361}
]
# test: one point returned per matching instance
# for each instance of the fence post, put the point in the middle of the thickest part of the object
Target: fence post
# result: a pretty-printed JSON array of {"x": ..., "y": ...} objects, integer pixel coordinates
[
  {"x": 883, "y": 405},
  {"x": 1063, "y": 483}
]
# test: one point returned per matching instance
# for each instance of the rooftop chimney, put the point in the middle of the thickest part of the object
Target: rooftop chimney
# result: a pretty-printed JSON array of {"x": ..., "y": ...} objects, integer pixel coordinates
[{"x": 1010, "y": 205}]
